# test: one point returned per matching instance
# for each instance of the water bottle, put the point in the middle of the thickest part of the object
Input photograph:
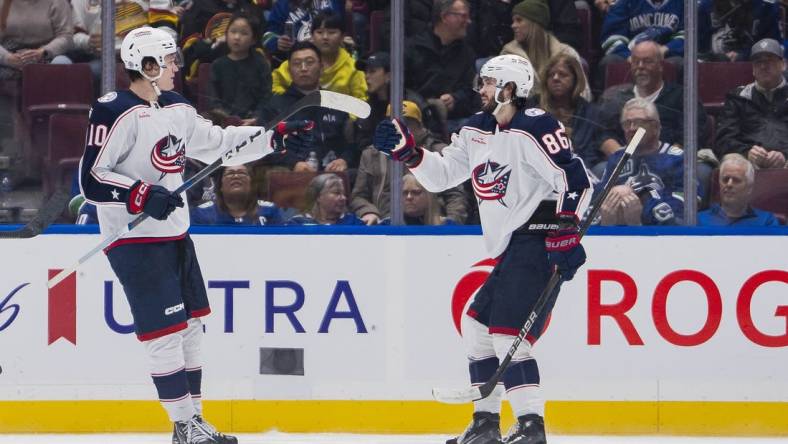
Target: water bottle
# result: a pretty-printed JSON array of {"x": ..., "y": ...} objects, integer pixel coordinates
[{"x": 312, "y": 161}]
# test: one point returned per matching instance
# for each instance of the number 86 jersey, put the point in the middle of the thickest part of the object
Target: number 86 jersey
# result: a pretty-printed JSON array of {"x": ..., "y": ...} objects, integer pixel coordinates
[{"x": 512, "y": 169}]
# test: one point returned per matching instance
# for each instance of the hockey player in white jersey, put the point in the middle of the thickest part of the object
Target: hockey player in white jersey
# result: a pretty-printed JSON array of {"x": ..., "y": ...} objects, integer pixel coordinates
[
  {"x": 134, "y": 156},
  {"x": 531, "y": 192}
]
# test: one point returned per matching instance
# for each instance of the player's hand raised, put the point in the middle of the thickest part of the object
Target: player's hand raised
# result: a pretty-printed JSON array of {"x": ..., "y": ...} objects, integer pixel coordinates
[
  {"x": 295, "y": 136},
  {"x": 153, "y": 200},
  {"x": 393, "y": 139}
]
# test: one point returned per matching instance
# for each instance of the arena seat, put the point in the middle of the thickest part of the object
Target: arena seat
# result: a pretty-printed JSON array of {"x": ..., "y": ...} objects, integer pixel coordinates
[
  {"x": 287, "y": 188},
  {"x": 66, "y": 144},
  {"x": 716, "y": 79}
]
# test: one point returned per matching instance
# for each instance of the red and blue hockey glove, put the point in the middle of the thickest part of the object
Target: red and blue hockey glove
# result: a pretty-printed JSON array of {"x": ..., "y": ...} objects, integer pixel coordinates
[
  {"x": 295, "y": 136},
  {"x": 393, "y": 139},
  {"x": 564, "y": 252},
  {"x": 154, "y": 200}
]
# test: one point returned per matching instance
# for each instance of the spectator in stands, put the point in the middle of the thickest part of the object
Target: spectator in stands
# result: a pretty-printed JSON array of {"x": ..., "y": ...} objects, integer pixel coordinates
[
  {"x": 195, "y": 18},
  {"x": 417, "y": 16},
  {"x": 560, "y": 93},
  {"x": 129, "y": 14},
  {"x": 649, "y": 189},
  {"x": 376, "y": 71},
  {"x": 333, "y": 129},
  {"x": 241, "y": 80},
  {"x": 737, "y": 177},
  {"x": 326, "y": 203},
  {"x": 371, "y": 196},
  {"x": 33, "y": 31},
  {"x": 203, "y": 30},
  {"x": 754, "y": 120},
  {"x": 629, "y": 22},
  {"x": 439, "y": 65},
  {"x": 419, "y": 206},
  {"x": 533, "y": 41},
  {"x": 646, "y": 68},
  {"x": 359, "y": 11},
  {"x": 236, "y": 202},
  {"x": 339, "y": 69},
  {"x": 290, "y": 21},
  {"x": 727, "y": 29}
]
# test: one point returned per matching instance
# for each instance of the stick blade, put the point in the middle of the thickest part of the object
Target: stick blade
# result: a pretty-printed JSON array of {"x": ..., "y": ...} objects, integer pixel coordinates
[
  {"x": 456, "y": 396},
  {"x": 346, "y": 103},
  {"x": 633, "y": 144}
]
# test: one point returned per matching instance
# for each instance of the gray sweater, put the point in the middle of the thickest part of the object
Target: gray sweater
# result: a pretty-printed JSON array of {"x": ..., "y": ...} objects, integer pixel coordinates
[{"x": 33, "y": 24}]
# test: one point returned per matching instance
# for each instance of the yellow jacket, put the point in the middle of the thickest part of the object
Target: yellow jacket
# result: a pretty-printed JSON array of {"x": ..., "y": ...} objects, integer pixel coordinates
[{"x": 341, "y": 77}]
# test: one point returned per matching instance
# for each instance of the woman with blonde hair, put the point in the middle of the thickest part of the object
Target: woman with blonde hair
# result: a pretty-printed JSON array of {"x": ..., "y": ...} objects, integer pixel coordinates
[
  {"x": 419, "y": 206},
  {"x": 530, "y": 21},
  {"x": 561, "y": 94}
]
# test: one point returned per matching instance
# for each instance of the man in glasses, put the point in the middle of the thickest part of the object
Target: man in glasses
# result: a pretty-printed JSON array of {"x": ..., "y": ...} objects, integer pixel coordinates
[{"x": 651, "y": 185}]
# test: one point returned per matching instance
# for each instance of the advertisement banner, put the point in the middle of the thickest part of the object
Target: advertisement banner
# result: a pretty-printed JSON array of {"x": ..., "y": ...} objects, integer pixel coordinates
[{"x": 342, "y": 317}]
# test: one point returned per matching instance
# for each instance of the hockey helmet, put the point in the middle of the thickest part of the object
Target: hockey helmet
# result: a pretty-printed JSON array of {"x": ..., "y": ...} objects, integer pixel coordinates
[
  {"x": 509, "y": 68},
  {"x": 147, "y": 42}
]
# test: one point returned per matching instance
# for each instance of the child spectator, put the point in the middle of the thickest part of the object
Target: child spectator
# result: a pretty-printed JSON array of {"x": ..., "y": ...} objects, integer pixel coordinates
[
  {"x": 290, "y": 21},
  {"x": 326, "y": 203},
  {"x": 339, "y": 69},
  {"x": 241, "y": 80}
]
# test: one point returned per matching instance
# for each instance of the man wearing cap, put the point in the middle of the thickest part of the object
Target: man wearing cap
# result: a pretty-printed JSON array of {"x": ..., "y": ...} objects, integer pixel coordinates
[
  {"x": 754, "y": 120},
  {"x": 376, "y": 69},
  {"x": 371, "y": 196}
]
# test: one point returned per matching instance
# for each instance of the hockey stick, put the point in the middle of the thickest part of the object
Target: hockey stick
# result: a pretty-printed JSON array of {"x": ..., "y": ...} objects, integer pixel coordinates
[
  {"x": 325, "y": 99},
  {"x": 48, "y": 213},
  {"x": 458, "y": 396}
]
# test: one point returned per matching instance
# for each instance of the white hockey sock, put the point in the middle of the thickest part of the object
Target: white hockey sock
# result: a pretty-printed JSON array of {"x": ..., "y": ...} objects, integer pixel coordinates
[
  {"x": 482, "y": 362},
  {"x": 521, "y": 378},
  {"x": 165, "y": 356},
  {"x": 192, "y": 344}
]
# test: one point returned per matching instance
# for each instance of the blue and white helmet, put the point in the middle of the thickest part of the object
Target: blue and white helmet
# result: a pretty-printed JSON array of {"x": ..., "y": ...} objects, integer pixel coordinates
[{"x": 509, "y": 68}]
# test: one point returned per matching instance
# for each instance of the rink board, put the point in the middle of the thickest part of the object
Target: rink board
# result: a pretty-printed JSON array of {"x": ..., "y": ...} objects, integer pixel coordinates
[{"x": 656, "y": 334}]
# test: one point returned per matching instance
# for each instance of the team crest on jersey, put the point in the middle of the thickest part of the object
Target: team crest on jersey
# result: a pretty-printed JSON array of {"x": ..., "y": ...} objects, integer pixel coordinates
[
  {"x": 108, "y": 97},
  {"x": 490, "y": 181},
  {"x": 168, "y": 155}
]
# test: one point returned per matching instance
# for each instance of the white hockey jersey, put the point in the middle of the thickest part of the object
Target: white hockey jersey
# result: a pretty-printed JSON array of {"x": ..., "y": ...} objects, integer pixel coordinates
[
  {"x": 131, "y": 139},
  {"x": 512, "y": 171}
]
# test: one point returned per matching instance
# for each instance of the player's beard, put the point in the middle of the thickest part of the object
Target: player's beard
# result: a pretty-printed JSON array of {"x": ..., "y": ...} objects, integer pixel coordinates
[{"x": 489, "y": 106}]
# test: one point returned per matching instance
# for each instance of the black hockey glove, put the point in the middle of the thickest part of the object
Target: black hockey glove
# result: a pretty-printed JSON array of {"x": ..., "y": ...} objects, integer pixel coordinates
[
  {"x": 295, "y": 136},
  {"x": 393, "y": 139},
  {"x": 154, "y": 200},
  {"x": 564, "y": 252}
]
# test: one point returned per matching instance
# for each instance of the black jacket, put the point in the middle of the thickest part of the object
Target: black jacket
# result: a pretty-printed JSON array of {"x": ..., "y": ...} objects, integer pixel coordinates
[
  {"x": 432, "y": 70},
  {"x": 329, "y": 132},
  {"x": 748, "y": 119}
]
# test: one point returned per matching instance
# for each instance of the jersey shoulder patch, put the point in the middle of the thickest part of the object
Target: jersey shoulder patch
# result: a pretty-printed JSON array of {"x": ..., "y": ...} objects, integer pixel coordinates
[
  {"x": 535, "y": 121},
  {"x": 108, "y": 97},
  {"x": 107, "y": 109},
  {"x": 533, "y": 112}
]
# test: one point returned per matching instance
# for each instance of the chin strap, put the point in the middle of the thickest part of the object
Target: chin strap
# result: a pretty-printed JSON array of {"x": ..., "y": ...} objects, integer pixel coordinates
[
  {"x": 501, "y": 104},
  {"x": 153, "y": 80}
]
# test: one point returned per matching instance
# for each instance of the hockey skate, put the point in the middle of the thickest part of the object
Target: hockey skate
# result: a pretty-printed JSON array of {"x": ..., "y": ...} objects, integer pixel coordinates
[
  {"x": 528, "y": 430},
  {"x": 198, "y": 431},
  {"x": 484, "y": 429}
]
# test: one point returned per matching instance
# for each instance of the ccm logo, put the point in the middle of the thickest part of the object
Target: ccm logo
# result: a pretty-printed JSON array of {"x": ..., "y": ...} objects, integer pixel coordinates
[
  {"x": 141, "y": 191},
  {"x": 174, "y": 309}
]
